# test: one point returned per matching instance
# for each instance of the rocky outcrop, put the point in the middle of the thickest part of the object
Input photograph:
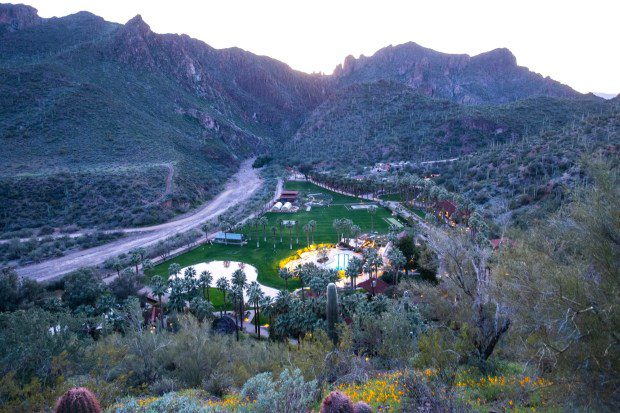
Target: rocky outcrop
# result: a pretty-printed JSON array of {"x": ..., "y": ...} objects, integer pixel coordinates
[
  {"x": 488, "y": 78},
  {"x": 18, "y": 16}
]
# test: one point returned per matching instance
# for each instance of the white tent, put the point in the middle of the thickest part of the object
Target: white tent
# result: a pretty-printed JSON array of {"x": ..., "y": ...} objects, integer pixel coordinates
[
  {"x": 287, "y": 206},
  {"x": 278, "y": 205}
]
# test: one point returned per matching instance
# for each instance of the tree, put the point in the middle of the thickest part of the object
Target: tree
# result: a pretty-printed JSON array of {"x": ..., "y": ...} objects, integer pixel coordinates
[
  {"x": 176, "y": 298},
  {"x": 274, "y": 231},
  {"x": 206, "y": 227},
  {"x": 397, "y": 260},
  {"x": 174, "y": 269},
  {"x": 117, "y": 266},
  {"x": 82, "y": 287},
  {"x": 286, "y": 275},
  {"x": 135, "y": 260},
  {"x": 205, "y": 281},
  {"x": 159, "y": 288},
  {"x": 307, "y": 230},
  {"x": 312, "y": 224},
  {"x": 372, "y": 210},
  {"x": 223, "y": 285},
  {"x": 355, "y": 232},
  {"x": 407, "y": 247},
  {"x": 125, "y": 285},
  {"x": 255, "y": 296},
  {"x": 354, "y": 269},
  {"x": 465, "y": 264},
  {"x": 201, "y": 308},
  {"x": 562, "y": 285},
  {"x": 263, "y": 221}
]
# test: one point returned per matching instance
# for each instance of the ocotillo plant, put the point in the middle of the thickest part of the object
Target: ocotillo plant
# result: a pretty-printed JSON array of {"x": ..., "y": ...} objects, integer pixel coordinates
[
  {"x": 78, "y": 400},
  {"x": 332, "y": 312}
]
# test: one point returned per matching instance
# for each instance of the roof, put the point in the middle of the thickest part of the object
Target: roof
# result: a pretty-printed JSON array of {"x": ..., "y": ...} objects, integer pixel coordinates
[
  {"x": 380, "y": 286},
  {"x": 496, "y": 243},
  {"x": 285, "y": 192},
  {"x": 447, "y": 206},
  {"x": 229, "y": 236}
]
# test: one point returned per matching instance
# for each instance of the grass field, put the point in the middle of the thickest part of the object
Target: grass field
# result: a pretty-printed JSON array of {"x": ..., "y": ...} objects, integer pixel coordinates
[{"x": 266, "y": 258}]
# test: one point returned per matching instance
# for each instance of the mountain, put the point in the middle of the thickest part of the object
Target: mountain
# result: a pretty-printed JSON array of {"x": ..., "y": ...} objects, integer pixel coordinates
[
  {"x": 94, "y": 114},
  {"x": 488, "y": 78},
  {"x": 112, "y": 125},
  {"x": 388, "y": 121}
]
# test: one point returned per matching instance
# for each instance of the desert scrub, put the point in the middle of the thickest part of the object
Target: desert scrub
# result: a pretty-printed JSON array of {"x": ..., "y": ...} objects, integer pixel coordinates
[
  {"x": 383, "y": 393},
  {"x": 507, "y": 390},
  {"x": 185, "y": 401}
]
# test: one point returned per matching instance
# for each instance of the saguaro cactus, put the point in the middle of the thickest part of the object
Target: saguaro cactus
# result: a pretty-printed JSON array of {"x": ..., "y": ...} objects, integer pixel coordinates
[
  {"x": 78, "y": 400},
  {"x": 332, "y": 312}
]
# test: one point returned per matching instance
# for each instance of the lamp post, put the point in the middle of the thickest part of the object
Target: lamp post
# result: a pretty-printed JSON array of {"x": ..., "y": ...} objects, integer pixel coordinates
[{"x": 373, "y": 283}]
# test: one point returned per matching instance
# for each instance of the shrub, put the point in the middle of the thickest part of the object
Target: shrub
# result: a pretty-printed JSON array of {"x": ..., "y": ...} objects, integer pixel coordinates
[
  {"x": 337, "y": 402},
  {"x": 78, "y": 400}
]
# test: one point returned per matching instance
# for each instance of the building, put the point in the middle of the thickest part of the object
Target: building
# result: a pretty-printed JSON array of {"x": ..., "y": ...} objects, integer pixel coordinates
[
  {"x": 287, "y": 206},
  {"x": 229, "y": 238},
  {"x": 374, "y": 286},
  {"x": 289, "y": 196},
  {"x": 277, "y": 206}
]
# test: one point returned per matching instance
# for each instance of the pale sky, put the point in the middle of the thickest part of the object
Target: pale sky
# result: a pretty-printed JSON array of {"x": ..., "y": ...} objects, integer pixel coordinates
[{"x": 574, "y": 42}]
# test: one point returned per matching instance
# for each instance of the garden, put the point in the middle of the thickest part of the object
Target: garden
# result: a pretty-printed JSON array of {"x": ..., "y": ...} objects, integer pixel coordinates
[{"x": 264, "y": 257}]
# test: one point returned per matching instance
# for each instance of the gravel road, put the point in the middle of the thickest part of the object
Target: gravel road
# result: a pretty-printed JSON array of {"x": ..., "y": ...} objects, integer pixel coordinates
[{"x": 239, "y": 188}]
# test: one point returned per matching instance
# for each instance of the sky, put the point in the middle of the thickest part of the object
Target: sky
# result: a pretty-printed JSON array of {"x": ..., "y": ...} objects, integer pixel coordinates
[{"x": 574, "y": 42}]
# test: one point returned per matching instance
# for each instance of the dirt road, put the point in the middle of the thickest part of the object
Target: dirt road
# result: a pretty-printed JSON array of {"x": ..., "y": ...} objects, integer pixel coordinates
[{"x": 240, "y": 188}]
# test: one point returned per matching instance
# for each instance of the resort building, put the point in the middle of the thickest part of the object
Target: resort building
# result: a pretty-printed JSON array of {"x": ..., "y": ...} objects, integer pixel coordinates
[{"x": 229, "y": 238}]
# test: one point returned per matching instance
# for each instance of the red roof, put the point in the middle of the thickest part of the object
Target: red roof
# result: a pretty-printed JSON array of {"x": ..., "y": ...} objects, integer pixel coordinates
[
  {"x": 447, "y": 206},
  {"x": 496, "y": 243},
  {"x": 380, "y": 286}
]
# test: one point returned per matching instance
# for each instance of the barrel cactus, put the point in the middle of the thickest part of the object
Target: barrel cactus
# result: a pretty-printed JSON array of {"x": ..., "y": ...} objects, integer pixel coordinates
[
  {"x": 337, "y": 402},
  {"x": 361, "y": 407},
  {"x": 332, "y": 312},
  {"x": 78, "y": 400}
]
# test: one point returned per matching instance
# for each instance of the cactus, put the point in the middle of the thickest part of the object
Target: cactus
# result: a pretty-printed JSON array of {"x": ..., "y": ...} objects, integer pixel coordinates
[
  {"x": 361, "y": 407},
  {"x": 332, "y": 312},
  {"x": 337, "y": 402},
  {"x": 78, "y": 400}
]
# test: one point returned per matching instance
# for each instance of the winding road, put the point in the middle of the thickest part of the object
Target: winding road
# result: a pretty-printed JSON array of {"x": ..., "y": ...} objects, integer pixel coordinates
[{"x": 238, "y": 189}]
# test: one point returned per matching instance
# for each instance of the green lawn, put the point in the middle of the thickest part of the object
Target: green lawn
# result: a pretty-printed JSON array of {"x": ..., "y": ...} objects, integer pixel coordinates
[{"x": 266, "y": 258}]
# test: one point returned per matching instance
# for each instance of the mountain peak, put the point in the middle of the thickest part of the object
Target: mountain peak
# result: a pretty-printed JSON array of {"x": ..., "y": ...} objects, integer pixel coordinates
[
  {"x": 137, "y": 24},
  {"x": 18, "y": 16},
  {"x": 497, "y": 57}
]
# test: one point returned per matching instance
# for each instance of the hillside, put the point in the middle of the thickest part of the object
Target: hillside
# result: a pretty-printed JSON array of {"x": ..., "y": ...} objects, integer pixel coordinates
[
  {"x": 488, "y": 78},
  {"x": 523, "y": 182},
  {"x": 385, "y": 121},
  {"x": 94, "y": 114},
  {"x": 112, "y": 125}
]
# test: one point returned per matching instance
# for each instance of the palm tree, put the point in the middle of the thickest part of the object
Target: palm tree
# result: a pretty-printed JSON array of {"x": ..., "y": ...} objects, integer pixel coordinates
[
  {"x": 223, "y": 285},
  {"x": 201, "y": 308},
  {"x": 176, "y": 299},
  {"x": 280, "y": 225},
  {"x": 263, "y": 221},
  {"x": 255, "y": 295},
  {"x": 354, "y": 269},
  {"x": 312, "y": 225},
  {"x": 355, "y": 232},
  {"x": 174, "y": 269},
  {"x": 289, "y": 225},
  {"x": 372, "y": 210},
  {"x": 285, "y": 274},
  {"x": 239, "y": 283},
  {"x": 135, "y": 260},
  {"x": 274, "y": 230},
  {"x": 117, "y": 266},
  {"x": 159, "y": 288},
  {"x": 307, "y": 230},
  {"x": 205, "y": 281},
  {"x": 337, "y": 224},
  {"x": 397, "y": 260},
  {"x": 225, "y": 225}
]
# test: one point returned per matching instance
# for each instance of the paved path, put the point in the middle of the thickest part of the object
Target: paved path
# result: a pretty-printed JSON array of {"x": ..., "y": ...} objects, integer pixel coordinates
[{"x": 240, "y": 188}]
